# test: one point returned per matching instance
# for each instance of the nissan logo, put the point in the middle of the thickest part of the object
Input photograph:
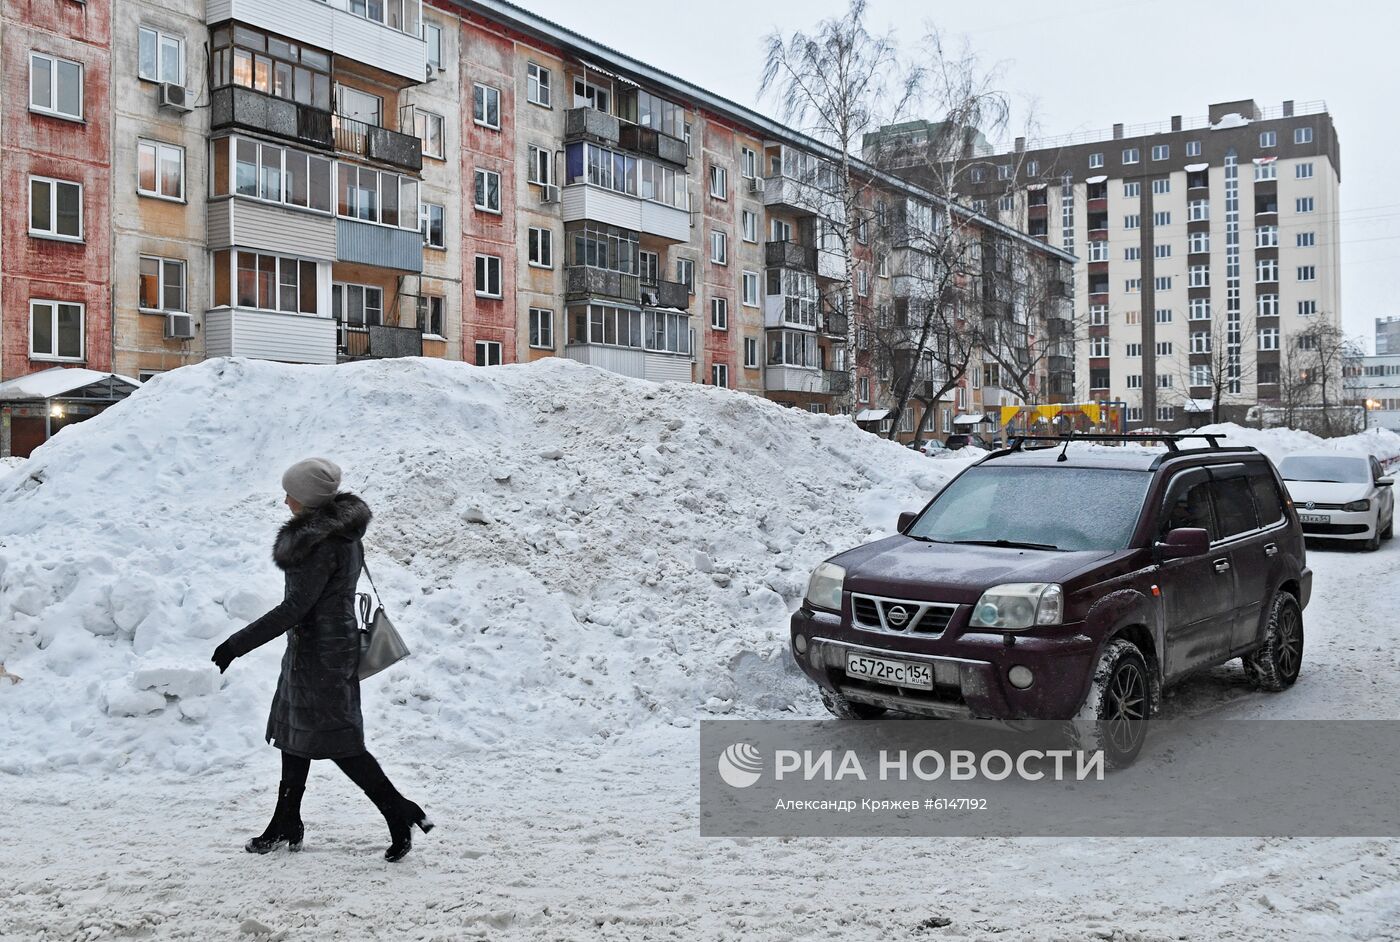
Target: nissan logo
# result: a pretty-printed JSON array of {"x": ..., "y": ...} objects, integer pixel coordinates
[{"x": 897, "y": 616}]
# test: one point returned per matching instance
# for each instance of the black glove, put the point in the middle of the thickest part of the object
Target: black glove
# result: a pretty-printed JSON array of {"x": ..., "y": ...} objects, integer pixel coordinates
[{"x": 224, "y": 655}]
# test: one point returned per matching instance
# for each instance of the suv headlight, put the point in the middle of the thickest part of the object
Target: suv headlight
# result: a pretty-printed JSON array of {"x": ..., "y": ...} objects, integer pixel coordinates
[
  {"x": 824, "y": 589},
  {"x": 1357, "y": 506},
  {"x": 1019, "y": 605}
]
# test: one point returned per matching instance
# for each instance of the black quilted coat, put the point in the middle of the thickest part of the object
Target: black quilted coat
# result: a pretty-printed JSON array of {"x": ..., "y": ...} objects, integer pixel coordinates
[{"x": 316, "y": 712}]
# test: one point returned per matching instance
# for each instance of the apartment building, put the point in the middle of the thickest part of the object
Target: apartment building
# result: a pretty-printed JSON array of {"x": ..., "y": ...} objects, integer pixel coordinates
[
  {"x": 1388, "y": 334},
  {"x": 1192, "y": 235},
  {"x": 317, "y": 181}
]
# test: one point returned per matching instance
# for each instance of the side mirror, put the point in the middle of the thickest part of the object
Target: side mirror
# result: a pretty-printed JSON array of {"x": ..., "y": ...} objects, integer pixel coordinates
[
  {"x": 1386, "y": 481},
  {"x": 1184, "y": 543},
  {"x": 906, "y": 520}
]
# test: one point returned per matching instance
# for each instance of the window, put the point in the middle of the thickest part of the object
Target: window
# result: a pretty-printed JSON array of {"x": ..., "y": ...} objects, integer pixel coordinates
[
  {"x": 541, "y": 167},
  {"x": 719, "y": 247},
  {"x": 1193, "y": 148},
  {"x": 750, "y": 289},
  {"x": 979, "y": 206},
  {"x": 1266, "y": 305},
  {"x": 1098, "y": 250},
  {"x": 863, "y": 282},
  {"x": 1307, "y": 273},
  {"x": 882, "y": 265},
  {"x": 431, "y": 217},
  {"x": 977, "y": 174},
  {"x": 1268, "y": 138},
  {"x": 1266, "y": 170},
  {"x": 1003, "y": 171},
  {"x": 427, "y": 127},
  {"x": 159, "y": 57},
  {"x": 537, "y": 86},
  {"x": 1266, "y": 269},
  {"x": 488, "y": 191},
  {"x": 160, "y": 170},
  {"x": 1161, "y": 186},
  {"x": 1198, "y": 210},
  {"x": 541, "y": 328},
  {"x": 1200, "y": 309},
  {"x": 488, "y": 276},
  {"x": 689, "y": 143},
  {"x": 719, "y": 313},
  {"x": 1164, "y": 348},
  {"x": 486, "y": 106},
  {"x": 1132, "y": 222},
  {"x": 1098, "y": 315},
  {"x": 1200, "y": 343},
  {"x": 241, "y": 55},
  {"x": 541, "y": 248},
  {"x": 1268, "y": 338},
  {"x": 1032, "y": 168},
  {"x": 1302, "y": 135},
  {"x": 55, "y": 86},
  {"x": 1161, "y": 152},
  {"x": 719, "y": 182},
  {"x": 162, "y": 285},
  {"x": 1098, "y": 347},
  {"x": 1199, "y": 276},
  {"x": 1304, "y": 204},
  {"x": 1200, "y": 374},
  {"x": 1162, "y": 283},
  {"x": 1163, "y": 315},
  {"x": 1132, "y": 190},
  {"x": 863, "y": 388},
  {"x": 751, "y": 353},
  {"x": 1166, "y": 413},
  {"x": 1132, "y": 318},
  {"x": 266, "y": 282},
  {"x": 488, "y": 352},
  {"x": 432, "y": 35},
  {"x": 1095, "y": 161},
  {"x": 1132, "y": 253},
  {"x": 1307, "y": 240},
  {"x": 376, "y": 196},
  {"x": 1133, "y": 349},
  {"x": 1132, "y": 285},
  {"x": 1134, "y": 380},
  {"x": 1266, "y": 237},
  {"x": 750, "y": 225},
  {"x": 1162, "y": 219},
  {"x": 719, "y": 375},
  {"x": 1165, "y": 381},
  {"x": 1303, "y": 171},
  {"x": 1131, "y": 155},
  {"x": 1307, "y": 308},
  {"x": 246, "y": 168},
  {"x": 55, "y": 330},
  {"x": 748, "y": 162},
  {"x": 1161, "y": 251},
  {"x": 55, "y": 209},
  {"x": 685, "y": 273},
  {"x": 1098, "y": 378},
  {"x": 1006, "y": 204}
]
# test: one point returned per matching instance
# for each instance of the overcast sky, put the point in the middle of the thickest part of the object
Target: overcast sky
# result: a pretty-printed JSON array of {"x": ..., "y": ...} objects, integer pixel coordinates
[{"x": 1092, "y": 63}]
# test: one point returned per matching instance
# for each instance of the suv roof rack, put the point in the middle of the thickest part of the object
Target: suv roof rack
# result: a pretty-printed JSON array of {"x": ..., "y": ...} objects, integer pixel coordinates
[{"x": 1018, "y": 441}]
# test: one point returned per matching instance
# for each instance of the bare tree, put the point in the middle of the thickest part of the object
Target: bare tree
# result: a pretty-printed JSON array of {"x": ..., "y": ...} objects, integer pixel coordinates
[
  {"x": 1221, "y": 362},
  {"x": 837, "y": 83},
  {"x": 1314, "y": 396}
]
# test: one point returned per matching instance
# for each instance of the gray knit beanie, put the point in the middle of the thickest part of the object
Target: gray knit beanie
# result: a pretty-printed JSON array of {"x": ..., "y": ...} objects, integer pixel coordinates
[{"x": 312, "y": 482}]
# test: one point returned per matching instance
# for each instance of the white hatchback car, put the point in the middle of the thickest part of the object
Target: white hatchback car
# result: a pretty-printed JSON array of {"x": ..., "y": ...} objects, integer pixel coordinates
[{"x": 1341, "y": 495}]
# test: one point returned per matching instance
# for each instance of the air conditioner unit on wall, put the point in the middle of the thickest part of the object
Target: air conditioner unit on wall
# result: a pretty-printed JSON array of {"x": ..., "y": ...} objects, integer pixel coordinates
[
  {"x": 179, "y": 326},
  {"x": 756, "y": 185},
  {"x": 174, "y": 97}
]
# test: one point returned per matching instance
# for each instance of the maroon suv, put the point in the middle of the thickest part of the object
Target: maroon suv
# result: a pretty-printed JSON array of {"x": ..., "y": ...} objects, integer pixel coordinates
[{"x": 1064, "y": 583}]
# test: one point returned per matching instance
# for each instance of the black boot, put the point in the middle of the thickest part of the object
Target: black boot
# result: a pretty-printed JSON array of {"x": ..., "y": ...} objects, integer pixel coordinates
[
  {"x": 285, "y": 825},
  {"x": 401, "y": 815}
]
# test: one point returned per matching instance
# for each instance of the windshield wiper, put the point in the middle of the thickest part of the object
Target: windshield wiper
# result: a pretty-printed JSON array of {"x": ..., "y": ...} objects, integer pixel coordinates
[{"x": 1013, "y": 544}]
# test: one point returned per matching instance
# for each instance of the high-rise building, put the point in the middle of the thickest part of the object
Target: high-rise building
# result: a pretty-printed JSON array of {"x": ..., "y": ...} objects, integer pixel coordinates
[
  {"x": 1388, "y": 334},
  {"x": 315, "y": 181},
  {"x": 1204, "y": 244}
]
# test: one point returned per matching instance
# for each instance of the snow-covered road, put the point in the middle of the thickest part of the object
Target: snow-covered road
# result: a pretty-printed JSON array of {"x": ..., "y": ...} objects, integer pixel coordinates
[{"x": 594, "y": 838}]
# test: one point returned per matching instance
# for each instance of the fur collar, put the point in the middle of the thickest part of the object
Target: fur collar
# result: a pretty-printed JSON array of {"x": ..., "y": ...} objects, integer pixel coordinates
[{"x": 344, "y": 517}]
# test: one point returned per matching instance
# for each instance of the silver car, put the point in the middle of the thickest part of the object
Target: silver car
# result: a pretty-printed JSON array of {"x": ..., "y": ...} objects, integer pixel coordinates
[{"x": 1341, "y": 495}]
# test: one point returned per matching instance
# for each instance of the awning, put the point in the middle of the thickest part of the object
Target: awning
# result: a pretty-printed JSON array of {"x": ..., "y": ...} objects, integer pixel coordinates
[
  {"x": 969, "y": 419},
  {"x": 1196, "y": 168},
  {"x": 872, "y": 415},
  {"x": 68, "y": 383},
  {"x": 1099, "y": 179},
  {"x": 1199, "y": 405},
  {"x": 591, "y": 67},
  {"x": 1035, "y": 186}
]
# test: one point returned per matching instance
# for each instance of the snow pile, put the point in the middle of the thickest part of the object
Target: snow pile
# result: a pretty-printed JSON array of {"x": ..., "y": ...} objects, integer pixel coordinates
[
  {"x": 567, "y": 551},
  {"x": 1278, "y": 442}
]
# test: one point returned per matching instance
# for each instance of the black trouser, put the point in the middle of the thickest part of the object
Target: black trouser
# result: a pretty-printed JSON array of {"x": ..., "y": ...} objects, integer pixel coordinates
[{"x": 362, "y": 769}]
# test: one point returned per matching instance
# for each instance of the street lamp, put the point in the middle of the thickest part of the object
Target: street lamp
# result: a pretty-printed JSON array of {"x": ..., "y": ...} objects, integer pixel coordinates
[{"x": 1366, "y": 412}]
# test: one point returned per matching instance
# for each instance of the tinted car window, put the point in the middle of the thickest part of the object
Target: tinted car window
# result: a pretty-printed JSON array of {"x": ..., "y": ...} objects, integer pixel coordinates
[
  {"x": 1234, "y": 505},
  {"x": 1189, "y": 506},
  {"x": 1267, "y": 499},
  {"x": 1343, "y": 469},
  {"x": 1067, "y": 508}
]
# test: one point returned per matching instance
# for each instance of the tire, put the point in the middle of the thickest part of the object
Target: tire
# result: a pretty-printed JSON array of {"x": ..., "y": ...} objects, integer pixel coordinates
[
  {"x": 1389, "y": 530},
  {"x": 1373, "y": 543},
  {"x": 1114, "y": 715},
  {"x": 1275, "y": 664},
  {"x": 843, "y": 709}
]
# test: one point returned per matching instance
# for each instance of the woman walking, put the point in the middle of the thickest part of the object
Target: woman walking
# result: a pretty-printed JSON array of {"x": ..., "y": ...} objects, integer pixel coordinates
[{"x": 316, "y": 711}]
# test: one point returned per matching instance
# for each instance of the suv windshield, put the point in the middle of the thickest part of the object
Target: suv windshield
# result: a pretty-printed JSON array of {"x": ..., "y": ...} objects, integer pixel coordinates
[
  {"x": 1339, "y": 470},
  {"x": 1052, "y": 508}
]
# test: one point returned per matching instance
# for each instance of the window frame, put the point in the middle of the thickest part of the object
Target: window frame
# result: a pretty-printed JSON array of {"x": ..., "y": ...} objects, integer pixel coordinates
[
  {"x": 55, "y": 356},
  {"x": 748, "y": 224},
  {"x": 428, "y": 118},
  {"x": 751, "y": 353},
  {"x": 436, "y": 63},
  {"x": 718, "y": 371},
  {"x": 489, "y": 346},
  {"x": 52, "y": 110},
  {"x": 425, "y": 223},
  {"x": 719, "y": 243},
  {"x": 161, "y": 287},
  {"x": 719, "y": 313},
  {"x": 747, "y": 278},
  {"x": 159, "y": 148},
  {"x": 481, "y": 184},
  {"x": 53, "y": 234},
  {"x": 719, "y": 176},
  {"x": 486, "y": 91},
  {"x": 1303, "y": 135},
  {"x": 482, "y": 265},
  {"x": 160, "y": 37},
  {"x": 539, "y": 248},
  {"x": 539, "y": 326},
  {"x": 533, "y": 81}
]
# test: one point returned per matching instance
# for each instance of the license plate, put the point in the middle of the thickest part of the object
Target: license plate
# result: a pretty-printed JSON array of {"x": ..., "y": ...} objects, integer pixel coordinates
[
  {"x": 894, "y": 673},
  {"x": 1314, "y": 518}
]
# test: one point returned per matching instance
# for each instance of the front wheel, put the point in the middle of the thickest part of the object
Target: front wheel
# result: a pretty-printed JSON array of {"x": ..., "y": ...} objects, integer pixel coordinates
[
  {"x": 1275, "y": 664},
  {"x": 1389, "y": 530},
  {"x": 843, "y": 709},
  {"x": 1114, "y": 715}
]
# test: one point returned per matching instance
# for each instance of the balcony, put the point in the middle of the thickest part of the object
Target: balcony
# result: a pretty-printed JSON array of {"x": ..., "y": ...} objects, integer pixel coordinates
[
  {"x": 630, "y": 361},
  {"x": 652, "y": 143},
  {"x": 266, "y": 227},
  {"x": 789, "y": 255},
  {"x": 329, "y": 24},
  {"x": 1059, "y": 327},
  {"x": 378, "y": 342},
  {"x": 371, "y": 141},
  {"x": 581, "y": 201},
  {"x": 668, "y": 294},
  {"x": 804, "y": 198},
  {"x": 810, "y": 380},
  {"x": 269, "y": 335},
  {"x": 836, "y": 324},
  {"x": 384, "y": 246},
  {"x": 1059, "y": 365},
  {"x": 236, "y": 108},
  {"x": 582, "y": 283},
  {"x": 592, "y": 125}
]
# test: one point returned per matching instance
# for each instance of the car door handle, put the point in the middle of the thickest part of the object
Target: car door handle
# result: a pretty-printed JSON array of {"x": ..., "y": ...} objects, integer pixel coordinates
[
  {"x": 1270, "y": 549},
  {"x": 1222, "y": 565}
]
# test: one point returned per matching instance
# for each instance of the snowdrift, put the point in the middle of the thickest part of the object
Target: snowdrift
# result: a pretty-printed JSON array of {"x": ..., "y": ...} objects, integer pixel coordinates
[{"x": 569, "y": 553}]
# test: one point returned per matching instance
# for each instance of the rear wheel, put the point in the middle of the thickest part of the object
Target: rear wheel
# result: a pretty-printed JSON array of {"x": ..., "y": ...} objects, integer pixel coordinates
[
  {"x": 843, "y": 709},
  {"x": 1275, "y": 664},
  {"x": 1114, "y": 715}
]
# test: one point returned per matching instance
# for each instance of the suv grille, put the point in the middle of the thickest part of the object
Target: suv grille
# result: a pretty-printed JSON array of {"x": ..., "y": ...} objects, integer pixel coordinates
[{"x": 898, "y": 616}]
